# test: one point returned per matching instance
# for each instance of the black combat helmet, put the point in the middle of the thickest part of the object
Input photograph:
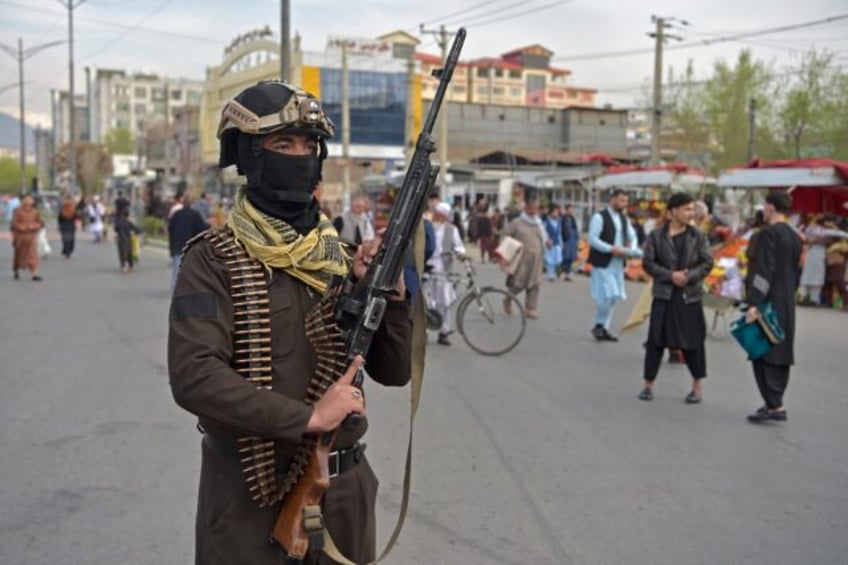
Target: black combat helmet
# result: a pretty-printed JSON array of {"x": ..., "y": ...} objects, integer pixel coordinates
[{"x": 268, "y": 107}]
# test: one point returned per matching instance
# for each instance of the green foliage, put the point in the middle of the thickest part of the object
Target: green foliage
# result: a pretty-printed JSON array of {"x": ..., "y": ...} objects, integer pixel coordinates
[
  {"x": 811, "y": 103},
  {"x": 152, "y": 226},
  {"x": 10, "y": 175},
  {"x": 119, "y": 141},
  {"x": 727, "y": 97},
  {"x": 800, "y": 113}
]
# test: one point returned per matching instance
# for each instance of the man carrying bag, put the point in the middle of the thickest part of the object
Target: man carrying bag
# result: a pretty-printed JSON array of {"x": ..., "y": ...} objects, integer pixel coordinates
[{"x": 775, "y": 281}]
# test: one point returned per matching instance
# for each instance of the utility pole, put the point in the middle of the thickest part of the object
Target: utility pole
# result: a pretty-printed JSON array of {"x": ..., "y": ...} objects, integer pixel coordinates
[
  {"x": 656, "y": 123},
  {"x": 442, "y": 36},
  {"x": 345, "y": 126},
  {"x": 72, "y": 150},
  {"x": 20, "y": 56},
  {"x": 285, "y": 34},
  {"x": 752, "y": 129}
]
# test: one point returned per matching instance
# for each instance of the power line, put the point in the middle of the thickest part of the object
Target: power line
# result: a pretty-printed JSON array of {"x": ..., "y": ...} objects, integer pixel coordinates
[
  {"x": 459, "y": 12},
  {"x": 129, "y": 30},
  {"x": 471, "y": 19},
  {"x": 702, "y": 43},
  {"x": 108, "y": 23},
  {"x": 518, "y": 14}
]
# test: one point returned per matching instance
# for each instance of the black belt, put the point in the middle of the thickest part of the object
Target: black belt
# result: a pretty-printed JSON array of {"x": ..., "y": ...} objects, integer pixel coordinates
[
  {"x": 343, "y": 459},
  {"x": 338, "y": 462}
]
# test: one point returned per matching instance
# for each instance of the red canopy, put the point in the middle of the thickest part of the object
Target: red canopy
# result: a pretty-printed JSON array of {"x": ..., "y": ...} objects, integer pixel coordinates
[
  {"x": 814, "y": 199},
  {"x": 681, "y": 168},
  {"x": 838, "y": 166}
]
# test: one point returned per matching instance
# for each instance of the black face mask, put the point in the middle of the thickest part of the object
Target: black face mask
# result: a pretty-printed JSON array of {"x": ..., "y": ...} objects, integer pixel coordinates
[{"x": 282, "y": 186}]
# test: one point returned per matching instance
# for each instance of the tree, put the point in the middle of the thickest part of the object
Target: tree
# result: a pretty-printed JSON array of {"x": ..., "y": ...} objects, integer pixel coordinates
[
  {"x": 10, "y": 175},
  {"x": 94, "y": 163},
  {"x": 119, "y": 141},
  {"x": 835, "y": 118},
  {"x": 727, "y": 97},
  {"x": 687, "y": 128},
  {"x": 813, "y": 102}
]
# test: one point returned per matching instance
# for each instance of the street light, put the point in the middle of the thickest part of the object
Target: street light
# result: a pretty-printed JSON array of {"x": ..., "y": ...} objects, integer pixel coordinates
[
  {"x": 72, "y": 151},
  {"x": 20, "y": 56}
]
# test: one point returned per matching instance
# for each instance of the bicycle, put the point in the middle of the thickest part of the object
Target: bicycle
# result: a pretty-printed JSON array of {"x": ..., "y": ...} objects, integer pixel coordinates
[{"x": 496, "y": 322}]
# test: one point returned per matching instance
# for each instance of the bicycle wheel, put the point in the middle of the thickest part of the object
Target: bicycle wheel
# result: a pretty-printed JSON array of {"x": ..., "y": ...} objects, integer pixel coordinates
[{"x": 491, "y": 322}]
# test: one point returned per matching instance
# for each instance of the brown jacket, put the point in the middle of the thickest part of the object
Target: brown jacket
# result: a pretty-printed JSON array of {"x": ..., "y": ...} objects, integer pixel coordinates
[{"x": 231, "y": 528}]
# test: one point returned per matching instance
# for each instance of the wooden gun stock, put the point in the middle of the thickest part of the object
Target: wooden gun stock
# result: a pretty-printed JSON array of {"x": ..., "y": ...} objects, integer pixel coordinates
[{"x": 300, "y": 525}]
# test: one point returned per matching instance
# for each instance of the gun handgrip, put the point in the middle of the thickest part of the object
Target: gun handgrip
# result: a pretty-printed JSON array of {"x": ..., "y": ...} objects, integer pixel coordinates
[
  {"x": 353, "y": 419},
  {"x": 351, "y": 422}
]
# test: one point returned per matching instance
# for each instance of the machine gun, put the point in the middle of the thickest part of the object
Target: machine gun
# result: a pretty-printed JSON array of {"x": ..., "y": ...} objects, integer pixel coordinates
[{"x": 354, "y": 309}]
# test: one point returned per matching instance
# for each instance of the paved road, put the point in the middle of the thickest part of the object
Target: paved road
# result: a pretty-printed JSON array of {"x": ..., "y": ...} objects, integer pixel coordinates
[{"x": 542, "y": 456}]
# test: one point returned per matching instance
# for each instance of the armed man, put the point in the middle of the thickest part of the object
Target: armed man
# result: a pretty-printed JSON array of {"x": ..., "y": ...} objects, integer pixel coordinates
[{"x": 242, "y": 355}]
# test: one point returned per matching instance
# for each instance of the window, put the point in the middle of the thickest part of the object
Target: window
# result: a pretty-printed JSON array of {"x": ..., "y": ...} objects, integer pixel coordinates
[
  {"x": 159, "y": 108},
  {"x": 515, "y": 74},
  {"x": 459, "y": 89},
  {"x": 176, "y": 95},
  {"x": 194, "y": 97},
  {"x": 140, "y": 109},
  {"x": 535, "y": 82},
  {"x": 498, "y": 73},
  {"x": 122, "y": 107},
  {"x": 482, "y": 91},
  {"x": 498, "y": 91},
  {"x": 516, "y": 92},
  {"x": 121, "y": 91},
  {"x": 141, "y": 92},
  {"x": 158, "y": 94},
  {"x": 482, "y": 72}
]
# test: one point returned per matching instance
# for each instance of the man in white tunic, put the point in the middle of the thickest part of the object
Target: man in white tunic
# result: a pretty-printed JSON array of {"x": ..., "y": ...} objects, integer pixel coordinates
[
  {"x": 612, "y": 240},
  {"x": 448, "y": 244}
]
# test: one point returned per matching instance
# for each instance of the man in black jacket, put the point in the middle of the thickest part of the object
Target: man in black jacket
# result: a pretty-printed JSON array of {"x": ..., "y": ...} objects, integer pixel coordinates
[
  {"x": 775, "y": 280},
  {"x": 183, "y": 225},
  {"x": 677, "y": 256}
]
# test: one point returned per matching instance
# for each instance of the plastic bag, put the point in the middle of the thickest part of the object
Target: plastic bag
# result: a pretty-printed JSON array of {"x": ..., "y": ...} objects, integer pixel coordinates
[{"x": 43, "y": 245}]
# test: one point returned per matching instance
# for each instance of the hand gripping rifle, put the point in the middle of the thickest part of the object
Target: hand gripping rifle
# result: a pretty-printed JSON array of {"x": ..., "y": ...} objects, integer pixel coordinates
[{"x": 353, "y": 310}]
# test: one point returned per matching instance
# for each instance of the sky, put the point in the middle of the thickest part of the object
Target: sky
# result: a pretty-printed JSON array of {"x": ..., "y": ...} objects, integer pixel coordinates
[{"x": 181, "y": 38}]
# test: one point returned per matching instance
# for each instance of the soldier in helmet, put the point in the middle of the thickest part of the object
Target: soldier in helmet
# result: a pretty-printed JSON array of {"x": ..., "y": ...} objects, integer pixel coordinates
[{"x": 238, "y": 353}]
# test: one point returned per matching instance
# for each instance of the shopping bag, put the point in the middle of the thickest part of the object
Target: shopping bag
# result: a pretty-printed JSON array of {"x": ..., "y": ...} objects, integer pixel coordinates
[
  {"x": 508, "y": 254},
  {"x": 760, "y": 336},
  {"x": 43, "y": 245},
  {"x": 135, "y": 246}
]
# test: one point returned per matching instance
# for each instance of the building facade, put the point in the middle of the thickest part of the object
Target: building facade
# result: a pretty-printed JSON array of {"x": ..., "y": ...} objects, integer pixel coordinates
[
  {"x": 382, "y": 89},
  {"x": 522, "y": 77},
  {"x": 476, "y": 129},
  {"x": 61, "y": 111},
  {"x": 137, "y": 101},
  {"x": 173, "y": 150}
]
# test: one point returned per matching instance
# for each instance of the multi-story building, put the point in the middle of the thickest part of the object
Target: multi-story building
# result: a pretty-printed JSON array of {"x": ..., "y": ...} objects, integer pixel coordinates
[
  {"x": 138, "y": 101},
  {"x": 378, "y": 92},
  {"x": 522, "y": 77},
  {"x": 173, "y": 149},
  {"x": 515, "y": 102},
  {"x": 62, "y": 117},
  {"x": 44, "y": 150}
]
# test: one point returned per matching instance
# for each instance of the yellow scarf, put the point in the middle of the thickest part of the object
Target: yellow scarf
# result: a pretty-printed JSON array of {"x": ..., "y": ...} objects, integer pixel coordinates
[{"x": 312, "y": 258}]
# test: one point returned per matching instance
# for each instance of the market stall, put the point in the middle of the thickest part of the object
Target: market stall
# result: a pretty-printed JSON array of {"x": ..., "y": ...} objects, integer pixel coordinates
[{"x": 817, "y": 185}]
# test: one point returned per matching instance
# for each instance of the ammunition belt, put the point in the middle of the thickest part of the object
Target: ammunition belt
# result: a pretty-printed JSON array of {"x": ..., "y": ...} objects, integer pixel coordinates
[
  {"x": 251, "y": 355},
  {"x": 252, "y": 360}
]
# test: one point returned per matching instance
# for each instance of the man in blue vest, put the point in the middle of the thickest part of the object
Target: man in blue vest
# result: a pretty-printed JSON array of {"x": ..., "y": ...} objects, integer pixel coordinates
[{"x": 612, "y": 240}]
